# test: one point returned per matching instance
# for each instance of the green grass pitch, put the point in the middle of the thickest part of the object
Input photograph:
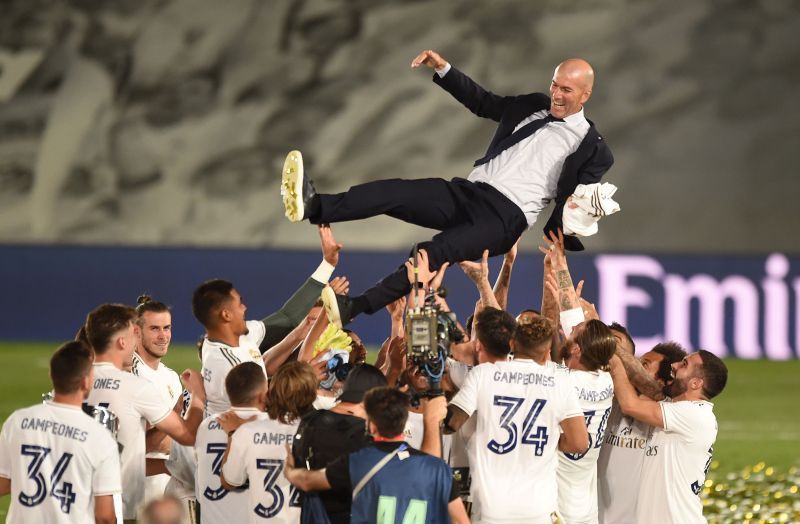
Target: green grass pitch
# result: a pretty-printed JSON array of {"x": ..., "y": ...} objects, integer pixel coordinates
[{"x": 757, "y": 413}]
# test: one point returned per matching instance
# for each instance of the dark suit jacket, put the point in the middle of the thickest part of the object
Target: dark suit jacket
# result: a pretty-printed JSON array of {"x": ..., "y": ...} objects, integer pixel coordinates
[{"x": 586, "y": 165}]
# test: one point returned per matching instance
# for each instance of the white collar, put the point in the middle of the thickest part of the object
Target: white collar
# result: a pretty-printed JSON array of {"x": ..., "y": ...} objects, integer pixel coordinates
[{"x": 576, "y": 118}]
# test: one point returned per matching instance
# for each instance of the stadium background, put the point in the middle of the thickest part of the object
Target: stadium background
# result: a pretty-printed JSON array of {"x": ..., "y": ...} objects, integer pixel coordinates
[{"x": 141, "y": 141}]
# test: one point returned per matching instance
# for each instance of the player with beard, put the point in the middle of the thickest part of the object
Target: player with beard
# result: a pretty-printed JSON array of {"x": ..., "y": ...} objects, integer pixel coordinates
[
  {"x": 586, "y": 353},
  {"x": 155, "y": 323},
  {"x": 154, "y": 319},
  {"x": 684, "y": 431},
  {"x": 622, "y": 453}
]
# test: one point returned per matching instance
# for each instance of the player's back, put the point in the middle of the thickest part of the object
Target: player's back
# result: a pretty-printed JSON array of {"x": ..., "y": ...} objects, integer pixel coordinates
[
  {"x": 218, "y": 504},
  {"x": 135, "y": 403},
  {"x": 577, "y": 472},
  {"x": 519, "y": 405},
  {"x": 58, "y": 458},
  {"x": 259, "y": 449}
]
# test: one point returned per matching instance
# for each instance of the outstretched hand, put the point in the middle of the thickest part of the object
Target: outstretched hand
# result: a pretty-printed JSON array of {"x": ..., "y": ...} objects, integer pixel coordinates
[
  {"x": 430, "y": 58},
  {"x": 330, "y": 249},
  {"x": 423, "y": 269},
  {"x": 554, "y": 249},
  {"x": 477, "y": 271}
]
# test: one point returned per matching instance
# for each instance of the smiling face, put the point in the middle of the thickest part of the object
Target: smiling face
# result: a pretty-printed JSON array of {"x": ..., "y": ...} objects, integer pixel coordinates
[
  {"x": 570, "y": 88},
  {"x": 687, "y": 375},
  {"x": 156, "y": 332}
]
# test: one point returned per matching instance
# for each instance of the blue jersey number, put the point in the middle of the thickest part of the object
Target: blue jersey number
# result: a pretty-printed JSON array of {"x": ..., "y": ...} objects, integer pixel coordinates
[
  {"x": 218, "y": 450},
  {"x": 62, "y": 491},
  {"x": 597, "y": 440},
  {"x": 531, "y": 433},
  {"x": 273, "y": 468}
]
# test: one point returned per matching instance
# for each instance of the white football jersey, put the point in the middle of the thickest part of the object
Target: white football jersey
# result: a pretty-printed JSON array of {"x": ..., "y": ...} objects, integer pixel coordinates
[
  {"x": 512, "y": 454},
  {"x": 135, "y": 402},
  {"x": 577, "y": 472},
  {"x": 58, "y": 459},
  {"x": 619, "y": 467},
  {"x": 168, "y": 382},
  {"x": 675, "y": 464},
  {"x": 165, "y": 378},
  {"x": 217, "y": 503},
  {"x": 219, "y": 358},
  {"x": 257, "y": 454}
]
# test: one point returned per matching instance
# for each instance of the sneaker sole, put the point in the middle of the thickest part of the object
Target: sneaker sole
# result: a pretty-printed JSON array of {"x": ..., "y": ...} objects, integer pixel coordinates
[
  {"x": 292, "y": 186},
  {"x": 331, "y": 306}
]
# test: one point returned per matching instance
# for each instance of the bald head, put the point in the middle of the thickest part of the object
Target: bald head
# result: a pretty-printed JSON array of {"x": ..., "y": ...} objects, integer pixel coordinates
[{"x": 571, "y": 87}]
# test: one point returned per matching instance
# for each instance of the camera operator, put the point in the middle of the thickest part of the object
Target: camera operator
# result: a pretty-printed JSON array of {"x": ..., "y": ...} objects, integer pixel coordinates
[
  {"x": 388, "y": 477},
  {"x": 327, "y": 434}
]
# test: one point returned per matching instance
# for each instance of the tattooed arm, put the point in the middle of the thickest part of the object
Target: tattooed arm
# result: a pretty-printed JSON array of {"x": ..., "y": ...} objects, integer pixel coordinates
[{"x": 640, "y": 378}]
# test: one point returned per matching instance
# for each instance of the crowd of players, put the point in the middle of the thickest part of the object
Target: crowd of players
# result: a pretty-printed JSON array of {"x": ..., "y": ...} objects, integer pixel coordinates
[{"x": 547, "y": 417}]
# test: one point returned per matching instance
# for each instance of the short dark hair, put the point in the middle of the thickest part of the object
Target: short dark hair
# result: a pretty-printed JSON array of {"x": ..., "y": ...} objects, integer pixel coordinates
[
  {"x": 208, "y": 298},
  {"x": 145, "y": 303},
  {"x": 533, "y": 337},
  {"x": 468, "y": 324},
  {"x": 715, "y": 374},
  {"x": 597, "y": 345},
  {"x": 532, "y": 311},
  {"x": 70, "y": 363},
  {"x": 292, "y": 391},
  {"x": 619, "y": 328},
  {"x": 672, "y": 352},
  {"x": 104, "y": 322},
  {"x": 243, "y": 382},
  {"x": 494, "y": 328},
  {"x": 387, "y": 408}
]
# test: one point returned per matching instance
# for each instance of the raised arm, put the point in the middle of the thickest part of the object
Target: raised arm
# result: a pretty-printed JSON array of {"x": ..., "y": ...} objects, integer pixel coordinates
[
  {"x": 560, "y": 281},
  {"x": 478, "y": 273},
  {"x": 280, "y": 323},
  {"x": 639, "y": 377},
  {"x": 481, "y": 102},
  {"x": 633, "y": 405},
  {"x": 503, "y": 282},
  {"x": 434, "y": 411}
]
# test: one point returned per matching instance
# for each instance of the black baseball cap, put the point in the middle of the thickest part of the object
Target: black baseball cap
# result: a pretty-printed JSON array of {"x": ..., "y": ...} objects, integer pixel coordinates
[{"x": 361, "y": 379}]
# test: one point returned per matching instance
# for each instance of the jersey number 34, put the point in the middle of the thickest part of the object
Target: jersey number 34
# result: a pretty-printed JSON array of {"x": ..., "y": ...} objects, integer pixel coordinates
[{"x": 532, "y": 434}]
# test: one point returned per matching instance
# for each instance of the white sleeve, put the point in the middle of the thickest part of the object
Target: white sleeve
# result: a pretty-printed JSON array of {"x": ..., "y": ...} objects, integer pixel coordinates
[
  {"x": 683, "y": 418},
  {"x": 443, "y": 71},
  {"x": 458, "y": 372},
  {"x": 235, "y": 468},
  {"x": 467, "y": 397},
  {"x": 152, "y": 403},
  {"x": 256, "y": 330},
  {"x": 570, "y": 407},
  {"x": 5, "y": 448},
  {"x": 107, "y": 476},
  {"x": 323, "y": 273},
  {"x": 571, "y": 318}
]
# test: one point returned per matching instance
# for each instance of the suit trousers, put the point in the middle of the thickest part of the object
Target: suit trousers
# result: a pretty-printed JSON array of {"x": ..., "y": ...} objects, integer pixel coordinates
[{"x": 471, "y": 217}]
